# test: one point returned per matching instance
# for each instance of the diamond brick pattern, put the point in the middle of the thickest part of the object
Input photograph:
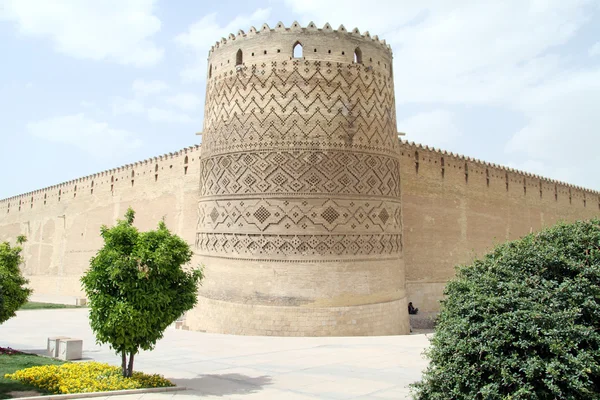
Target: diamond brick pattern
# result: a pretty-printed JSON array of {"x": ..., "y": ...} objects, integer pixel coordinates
[{"x": 329, "y": 172}]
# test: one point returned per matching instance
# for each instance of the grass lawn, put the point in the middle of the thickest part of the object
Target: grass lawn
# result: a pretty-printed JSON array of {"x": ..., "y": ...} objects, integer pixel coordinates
[
  {"x": 12, "y": 363},
  {"x": 32, "y": 305}
]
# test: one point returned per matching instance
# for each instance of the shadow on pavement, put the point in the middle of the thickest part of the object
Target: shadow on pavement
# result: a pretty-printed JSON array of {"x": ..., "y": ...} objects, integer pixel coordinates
[{"x": 224, "y": 384}]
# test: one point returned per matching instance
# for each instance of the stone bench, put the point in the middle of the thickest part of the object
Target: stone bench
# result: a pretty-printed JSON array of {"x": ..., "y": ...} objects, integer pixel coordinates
[{"x": 65, "y": 348}]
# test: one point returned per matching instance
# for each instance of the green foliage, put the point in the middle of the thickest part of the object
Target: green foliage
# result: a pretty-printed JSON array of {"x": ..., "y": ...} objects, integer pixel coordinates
[
  {"x": 136, "y": 286},
  {"x": 13, "y": 293},
  {"x": 10, "y": 363},
  {"x": 522, "y": 322}
]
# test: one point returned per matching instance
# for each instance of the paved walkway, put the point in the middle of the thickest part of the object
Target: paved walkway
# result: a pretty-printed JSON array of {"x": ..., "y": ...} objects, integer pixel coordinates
[{"x": 216, "y": 366}]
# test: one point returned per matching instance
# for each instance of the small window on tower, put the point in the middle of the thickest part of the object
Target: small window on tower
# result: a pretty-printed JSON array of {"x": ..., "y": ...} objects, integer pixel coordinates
[
  {"x": 358, "y": 56},
  {"x": 297, "y": 50},
  {"x": 239, "y": 57}
]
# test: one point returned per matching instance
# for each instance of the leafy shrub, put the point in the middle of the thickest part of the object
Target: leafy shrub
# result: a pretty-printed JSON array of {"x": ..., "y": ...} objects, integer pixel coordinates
[
  {"x": 522, "y": 322},
  {"x": 84, "y": 377},
  {"x": 13, "y": 293},
  {"x": 137, "y": 286}
]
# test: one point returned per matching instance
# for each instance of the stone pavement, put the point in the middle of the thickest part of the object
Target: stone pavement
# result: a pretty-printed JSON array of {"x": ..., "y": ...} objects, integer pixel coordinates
[{"x": 214, "y": 366}]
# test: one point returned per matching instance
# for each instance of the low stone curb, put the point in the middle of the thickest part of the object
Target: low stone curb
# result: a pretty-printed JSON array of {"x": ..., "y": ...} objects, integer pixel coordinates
[{"x": 104, "y": 394}]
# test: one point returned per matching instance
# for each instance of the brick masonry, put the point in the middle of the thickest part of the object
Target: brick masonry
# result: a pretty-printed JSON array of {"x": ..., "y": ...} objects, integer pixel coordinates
[{"x": 311, "y": 217}]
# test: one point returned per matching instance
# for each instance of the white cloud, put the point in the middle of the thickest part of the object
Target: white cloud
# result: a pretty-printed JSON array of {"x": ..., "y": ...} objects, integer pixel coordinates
[
  {"x": 201, "y": 35},
  {"x": 562, "y": 126},
  {"x": 95, "y": 138},
  {"x": 114, "y": 30},
  {"x": 185, "y": 101},
  {"x": 461, "y": 51},
  {"x": 122, "y": 106},
  {"x": 145, "y": 88},
  {"x": 162, "y": 115},
  {"x": 435, "y": 128},
  {"x": 594, "y": 50}
]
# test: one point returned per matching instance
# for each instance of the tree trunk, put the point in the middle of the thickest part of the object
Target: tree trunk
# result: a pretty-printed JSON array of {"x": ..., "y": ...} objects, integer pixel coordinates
[
  {"x": 130, "y": 369},
  {"x": 124, "y": 363}
]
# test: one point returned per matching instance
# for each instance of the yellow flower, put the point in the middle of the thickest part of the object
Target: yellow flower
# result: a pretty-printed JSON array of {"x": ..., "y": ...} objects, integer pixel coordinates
[{"x": 84, "y": 377}]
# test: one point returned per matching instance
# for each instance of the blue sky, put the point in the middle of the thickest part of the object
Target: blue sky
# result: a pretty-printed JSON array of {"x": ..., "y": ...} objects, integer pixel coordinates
[{"x": 90, "y": 85}]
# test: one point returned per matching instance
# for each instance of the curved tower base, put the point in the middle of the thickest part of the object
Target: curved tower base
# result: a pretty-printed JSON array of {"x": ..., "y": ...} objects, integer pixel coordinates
[{"x": 377, "y": 319}]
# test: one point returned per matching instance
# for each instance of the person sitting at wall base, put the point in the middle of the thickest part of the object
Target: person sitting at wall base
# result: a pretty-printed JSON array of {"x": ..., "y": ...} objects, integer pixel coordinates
[{"x": 412, "y": 310}]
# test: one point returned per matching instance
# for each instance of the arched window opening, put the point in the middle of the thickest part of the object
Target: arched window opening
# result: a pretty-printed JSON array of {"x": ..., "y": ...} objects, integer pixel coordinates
[
  {"x": 239, "y": 57},
  {"x": 297, "y": 50},
  {"x": 185, "y": 161},
  {"x": 133, "y": 174},
  {"x": 358, "y": 56},
  {"x": 156, "y": 168},
  {"x": 210, "y": 71}
]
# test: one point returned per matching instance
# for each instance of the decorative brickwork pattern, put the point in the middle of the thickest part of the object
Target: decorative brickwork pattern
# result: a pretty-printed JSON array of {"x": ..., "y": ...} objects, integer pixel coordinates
[
  {"x": 290, "y": 248},
  {"x": 292, "y": 104},
  {"x": 300, "y": 171},
  {"x": 300, "y": 215}
]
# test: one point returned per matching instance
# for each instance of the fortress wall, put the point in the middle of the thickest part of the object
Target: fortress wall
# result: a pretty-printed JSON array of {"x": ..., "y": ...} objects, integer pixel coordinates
[
  {"x": 448, "y": 219},
  {"x": 62, "y": 222},
  {"x": 456, "y": 208}
]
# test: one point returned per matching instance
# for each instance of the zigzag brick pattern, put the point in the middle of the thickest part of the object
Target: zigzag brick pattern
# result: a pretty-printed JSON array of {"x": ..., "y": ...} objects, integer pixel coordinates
[{"x": 301, "y": 104}]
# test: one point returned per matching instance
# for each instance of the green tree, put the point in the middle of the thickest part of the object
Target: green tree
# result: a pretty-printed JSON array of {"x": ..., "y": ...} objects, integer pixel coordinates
[
  {"x": 523, "y": 322},
  {"x": 13, "y": 293},
  {"x": 136, "y": 287}
]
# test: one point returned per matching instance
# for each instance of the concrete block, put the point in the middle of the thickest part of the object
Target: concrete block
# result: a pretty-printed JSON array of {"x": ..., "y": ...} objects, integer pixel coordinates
[
  {"x": 70, "y": 349},
  {"x": 81, "y": 301},
  {"x": 52, "y": 345}
]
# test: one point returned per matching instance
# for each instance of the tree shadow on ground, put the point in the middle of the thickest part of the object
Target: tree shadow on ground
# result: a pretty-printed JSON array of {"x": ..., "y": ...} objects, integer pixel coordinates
[{"x": 224, "y": 384}]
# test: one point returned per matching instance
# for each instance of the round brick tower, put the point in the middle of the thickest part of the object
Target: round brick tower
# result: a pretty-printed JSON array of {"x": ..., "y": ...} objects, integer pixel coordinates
[{"x": 300, "y": 224}]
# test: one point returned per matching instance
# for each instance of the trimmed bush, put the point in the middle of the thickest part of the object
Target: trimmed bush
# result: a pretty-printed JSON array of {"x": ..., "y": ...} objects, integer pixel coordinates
[
  {"x": 522, "y": 322},
  {"x": 84, "y": 378}
]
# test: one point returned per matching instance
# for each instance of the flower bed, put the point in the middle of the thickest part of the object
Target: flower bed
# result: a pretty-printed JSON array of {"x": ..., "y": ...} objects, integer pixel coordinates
[
  {"x": 84, "y": 377},
  {"x": 8, "y": 351}
]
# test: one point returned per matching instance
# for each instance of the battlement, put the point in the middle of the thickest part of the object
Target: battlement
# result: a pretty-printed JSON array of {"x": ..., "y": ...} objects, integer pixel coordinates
[
  {"x": 476, "y": 162},
  {"x": 296, "y": 28},
  {"x": 94, "y": 180},
  {"x": 261, "y": 46}
]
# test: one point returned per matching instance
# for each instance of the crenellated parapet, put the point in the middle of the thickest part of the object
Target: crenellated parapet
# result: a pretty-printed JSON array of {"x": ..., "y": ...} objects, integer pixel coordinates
[
  {"x": 266, "y": 46},
  {"x": 91, "y": 183},
  {"x": 512, "y": 178},
  {"x": 297, "y": 28}
]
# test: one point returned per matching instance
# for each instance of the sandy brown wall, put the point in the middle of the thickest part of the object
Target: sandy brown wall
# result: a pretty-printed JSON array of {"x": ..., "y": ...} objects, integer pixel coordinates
[
  {"x": 455, "y": 209},
  {"x": 448, "y": 218},
  {"x": 62, "y": 222}
]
